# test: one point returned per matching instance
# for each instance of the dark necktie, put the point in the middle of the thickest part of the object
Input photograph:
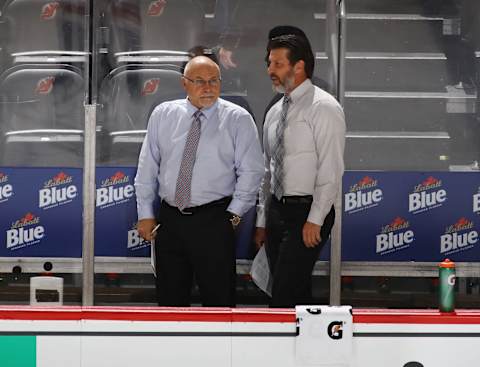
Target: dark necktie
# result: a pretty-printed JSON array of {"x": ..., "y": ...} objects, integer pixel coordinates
[
  {"x": 184, "y": 180},
  {"x": 279, "y": 150}
]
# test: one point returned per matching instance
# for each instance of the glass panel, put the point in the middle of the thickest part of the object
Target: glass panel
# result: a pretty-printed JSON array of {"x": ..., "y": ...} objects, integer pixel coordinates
[
  {"x": 412, "y": 85},
  {"x": 42, "y": 93},
  {"x": 411, "y": 105},
  {"x": 142, "y": 48}
]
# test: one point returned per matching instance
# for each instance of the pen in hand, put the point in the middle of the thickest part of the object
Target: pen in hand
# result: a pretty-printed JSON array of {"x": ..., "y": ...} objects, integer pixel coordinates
[{"x": 154, "y": 231}]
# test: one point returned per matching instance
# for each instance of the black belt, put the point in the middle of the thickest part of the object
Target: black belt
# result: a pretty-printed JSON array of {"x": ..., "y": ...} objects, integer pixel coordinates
[
  {"x": 307, "y": 199},
  {"x": 195, "y": 209}
]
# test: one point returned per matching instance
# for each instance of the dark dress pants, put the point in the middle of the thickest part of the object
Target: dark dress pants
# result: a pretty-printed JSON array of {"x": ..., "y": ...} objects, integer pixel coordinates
[
  {"x": 291, "y": 262},
  {"x": 196, "y": 246}
]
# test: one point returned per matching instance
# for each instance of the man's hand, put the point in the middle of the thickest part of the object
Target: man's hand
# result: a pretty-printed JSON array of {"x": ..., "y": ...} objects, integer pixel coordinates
[
  {"x": 311, "y": 234},
  {"x": 226, "y": 58},
  {"x": 145, "y": 228},
  {"x": 260, "y": 237}
]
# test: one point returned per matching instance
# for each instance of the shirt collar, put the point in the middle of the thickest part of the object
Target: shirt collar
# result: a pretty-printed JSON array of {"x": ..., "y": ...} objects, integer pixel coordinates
[
  {"x": 207, "y": 112},
  {"x": 299, "y": 91}
]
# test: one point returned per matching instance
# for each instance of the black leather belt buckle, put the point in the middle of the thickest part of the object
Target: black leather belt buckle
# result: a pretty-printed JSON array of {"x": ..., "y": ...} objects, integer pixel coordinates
[
  {"x": 195, "y": 209},
  {"x": 185, "y": 212},
  {"x": 296, "y": 199}
]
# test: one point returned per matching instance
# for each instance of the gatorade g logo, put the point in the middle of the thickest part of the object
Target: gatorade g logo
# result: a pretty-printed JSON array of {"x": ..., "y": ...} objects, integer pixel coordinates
[
  {"x": 451, "y": 280},
  {"x": 335, "y": 330}
]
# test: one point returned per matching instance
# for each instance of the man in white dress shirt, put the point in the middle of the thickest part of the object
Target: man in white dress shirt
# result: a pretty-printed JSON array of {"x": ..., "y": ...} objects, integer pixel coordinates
[
  {"x": 304, "y": 139},
  {"x": 202, "y": 157}
]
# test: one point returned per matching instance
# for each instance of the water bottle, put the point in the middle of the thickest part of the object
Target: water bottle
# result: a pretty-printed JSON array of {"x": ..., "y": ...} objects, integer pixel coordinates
[{"x": 446, "y": 270}]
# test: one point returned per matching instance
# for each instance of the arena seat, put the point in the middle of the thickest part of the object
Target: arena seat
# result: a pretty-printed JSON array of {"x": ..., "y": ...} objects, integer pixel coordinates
[
  {"x": 40, "y": 25},
  {"x": 42, "y": 116},
  {"x": 139, "y": 25},
  {"x": 127, "y": 96}
]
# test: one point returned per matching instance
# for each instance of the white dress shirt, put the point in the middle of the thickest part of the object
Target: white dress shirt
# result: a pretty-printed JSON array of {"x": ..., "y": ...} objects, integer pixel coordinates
[
  {"x": 314, "y": 146},
  {"x": 228, "y": 159}
]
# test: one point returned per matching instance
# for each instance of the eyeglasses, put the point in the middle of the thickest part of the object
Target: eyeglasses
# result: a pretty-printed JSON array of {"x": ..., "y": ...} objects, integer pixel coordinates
[{"x": 202, "y": 83}]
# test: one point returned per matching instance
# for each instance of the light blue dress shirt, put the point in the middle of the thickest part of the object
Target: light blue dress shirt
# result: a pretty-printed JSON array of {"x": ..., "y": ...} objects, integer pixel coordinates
[{"x": 229, "y": 160}]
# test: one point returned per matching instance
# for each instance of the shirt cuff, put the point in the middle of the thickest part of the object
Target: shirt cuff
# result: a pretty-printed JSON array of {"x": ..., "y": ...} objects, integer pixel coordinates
[
  {"x": 316, "y": 214},
  {"x": 261, "y": 216},
  {"x": 237, "y": 207},
  {"x": 145, "y": 212}
]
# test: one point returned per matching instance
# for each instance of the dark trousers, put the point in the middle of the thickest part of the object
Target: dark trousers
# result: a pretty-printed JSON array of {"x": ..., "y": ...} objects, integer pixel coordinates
[
  {"x": 196, "y": 246},
  {"x": 291, "y": 262}
]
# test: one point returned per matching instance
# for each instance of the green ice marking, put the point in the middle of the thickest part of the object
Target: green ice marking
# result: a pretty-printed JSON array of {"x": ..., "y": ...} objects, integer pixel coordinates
[{"x": 18, "y": 351}]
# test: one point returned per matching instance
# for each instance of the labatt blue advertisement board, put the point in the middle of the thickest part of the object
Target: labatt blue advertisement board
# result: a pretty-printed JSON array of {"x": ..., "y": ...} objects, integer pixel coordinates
[
  {"x": 41, "y": 212},
  {"x": 387, "y": 216},
  {"x": 411, "y": 216},
  {"x": 116, "y": 214}
]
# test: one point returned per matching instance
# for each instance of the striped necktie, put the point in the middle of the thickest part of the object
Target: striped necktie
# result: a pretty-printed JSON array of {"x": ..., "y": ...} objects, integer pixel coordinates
[
  {"x": 184, "y": 180},
  {"x": 279, "y": 150}
]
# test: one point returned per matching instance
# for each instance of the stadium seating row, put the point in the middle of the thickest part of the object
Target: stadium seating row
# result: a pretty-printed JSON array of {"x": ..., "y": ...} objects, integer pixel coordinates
[{"x": 411, "y": 73}]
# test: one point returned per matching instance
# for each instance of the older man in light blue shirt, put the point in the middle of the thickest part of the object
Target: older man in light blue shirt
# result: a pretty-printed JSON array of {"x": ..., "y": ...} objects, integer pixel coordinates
[{"x": 203, "y": 158}]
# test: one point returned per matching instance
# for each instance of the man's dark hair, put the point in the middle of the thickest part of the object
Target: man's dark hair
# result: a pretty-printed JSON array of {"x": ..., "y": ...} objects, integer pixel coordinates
[
  {"x": 282, "y": 30},
  {"x": 298, "y": 49}
]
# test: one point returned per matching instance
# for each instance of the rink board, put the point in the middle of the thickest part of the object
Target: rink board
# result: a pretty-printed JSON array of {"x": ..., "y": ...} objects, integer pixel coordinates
[{"x": 125, "y": 337}]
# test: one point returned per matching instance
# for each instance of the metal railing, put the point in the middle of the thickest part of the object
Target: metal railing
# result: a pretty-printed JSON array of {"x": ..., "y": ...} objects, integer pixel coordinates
[{"x": 336, "y": 38}]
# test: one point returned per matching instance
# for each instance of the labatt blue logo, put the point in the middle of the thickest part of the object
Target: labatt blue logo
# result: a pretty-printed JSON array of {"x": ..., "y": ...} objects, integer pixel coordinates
[
  {"x": 476, "y": 202},
  {"x": 57, "y": 191},
  {"x": 6, "y": 189},
  {"x": 426, "y": 196},
  {"x": 458, "y": 237},
  {"x": 134, "y": 241},
  {"x": 24, "y": 232},
  {"x": 394, "y": 236},
  {"x": 114, "y": 190},
  {"x": 363, "y": 195}
]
